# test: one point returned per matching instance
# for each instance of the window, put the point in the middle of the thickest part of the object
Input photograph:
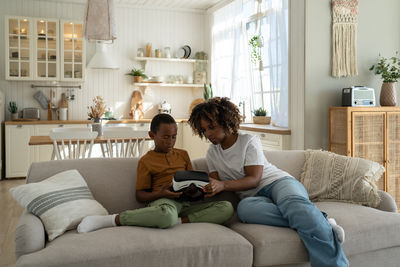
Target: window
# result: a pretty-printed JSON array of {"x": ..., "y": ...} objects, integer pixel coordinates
[
  {"x": 270, "y": 75},
  {"x": 263, "y": 84}
]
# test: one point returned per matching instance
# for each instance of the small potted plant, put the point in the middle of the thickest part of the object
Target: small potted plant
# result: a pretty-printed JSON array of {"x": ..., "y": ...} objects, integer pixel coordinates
[
  {"x": 260, "y": 116},
  {"x": 13, "y": 108},
  {"x": 95, "y": 112},
  {"x": 389, "y": 69},
  {"x": 138, "y": 75}
]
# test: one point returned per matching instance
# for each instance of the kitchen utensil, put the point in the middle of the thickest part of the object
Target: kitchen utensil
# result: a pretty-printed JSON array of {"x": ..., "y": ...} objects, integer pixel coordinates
[
  {"x": 50, "y": 106},
  {"x": 62, "y": 114},
  {"x": 42, "y": 99}
]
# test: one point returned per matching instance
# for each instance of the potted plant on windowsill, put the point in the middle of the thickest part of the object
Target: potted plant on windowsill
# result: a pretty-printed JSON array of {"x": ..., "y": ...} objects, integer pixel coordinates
[
  {"x": 13, "y": 108},
  {"x": 389, "y": 69},
  {"x": 138, "y": 75},
  {"x": 260, "y": 116}
]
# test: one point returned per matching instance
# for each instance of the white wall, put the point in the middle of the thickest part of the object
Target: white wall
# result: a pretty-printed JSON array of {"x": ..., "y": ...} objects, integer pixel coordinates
[
  {"x": 378, "y": 32},
  {"x": 135, "y": 27}
]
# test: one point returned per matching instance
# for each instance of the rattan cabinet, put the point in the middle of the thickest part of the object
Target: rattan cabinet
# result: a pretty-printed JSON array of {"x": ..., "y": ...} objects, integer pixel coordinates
[{"x": 372, "y": 133}]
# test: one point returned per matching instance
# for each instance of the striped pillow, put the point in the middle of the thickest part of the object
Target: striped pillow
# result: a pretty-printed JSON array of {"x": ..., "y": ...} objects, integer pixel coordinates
[{"x": 60, "y": 201}]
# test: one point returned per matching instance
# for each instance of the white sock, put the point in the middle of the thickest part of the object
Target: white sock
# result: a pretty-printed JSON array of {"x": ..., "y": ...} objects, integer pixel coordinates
[
  {"x": 337, "y": 228},
  {"x": 179, "y": 221},
  {"x": 92, "y": 223}
]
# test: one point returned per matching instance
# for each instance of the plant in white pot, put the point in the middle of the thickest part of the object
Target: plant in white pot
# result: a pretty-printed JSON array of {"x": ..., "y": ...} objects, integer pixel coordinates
[
  {"x": 389, "y": 69},
  {"x": 260, "y": 116},
  {"x": 13, "y": 108},
  {"x": 138, "y": 75}
]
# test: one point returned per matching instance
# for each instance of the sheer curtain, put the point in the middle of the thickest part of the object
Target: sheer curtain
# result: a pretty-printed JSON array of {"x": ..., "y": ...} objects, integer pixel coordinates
[
  {"x": 229, "y": 57},
  {"x": 276, "y": 44}
]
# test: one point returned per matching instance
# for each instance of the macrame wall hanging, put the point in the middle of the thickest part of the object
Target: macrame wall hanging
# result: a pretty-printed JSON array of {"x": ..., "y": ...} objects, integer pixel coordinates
[{"x": 344, "y": 37}]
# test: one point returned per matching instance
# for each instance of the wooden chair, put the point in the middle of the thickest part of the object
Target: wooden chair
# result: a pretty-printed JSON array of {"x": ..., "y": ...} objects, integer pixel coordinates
[
  {"x": 124, "y": 142},
  {"x": 72, "y": 143}
]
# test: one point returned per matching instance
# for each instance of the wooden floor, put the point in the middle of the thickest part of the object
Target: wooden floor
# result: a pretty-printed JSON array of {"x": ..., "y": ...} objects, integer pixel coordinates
[{"x": 10, "y": 211}]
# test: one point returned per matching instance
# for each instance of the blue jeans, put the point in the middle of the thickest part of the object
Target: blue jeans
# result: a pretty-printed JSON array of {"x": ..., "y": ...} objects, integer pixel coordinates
[{"x": 285, "y": 203}]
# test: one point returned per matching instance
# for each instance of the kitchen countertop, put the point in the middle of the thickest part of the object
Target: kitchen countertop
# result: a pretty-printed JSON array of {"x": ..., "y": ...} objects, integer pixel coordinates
[{"x": 244, "y": 126}]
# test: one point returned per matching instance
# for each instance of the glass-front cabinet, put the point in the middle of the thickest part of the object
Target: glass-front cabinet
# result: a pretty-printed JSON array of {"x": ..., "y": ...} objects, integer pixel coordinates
[
  {"x": 18, "y": 48},
  {"x": 73, "y": 51},
  {"x": 44, "y": 49}
]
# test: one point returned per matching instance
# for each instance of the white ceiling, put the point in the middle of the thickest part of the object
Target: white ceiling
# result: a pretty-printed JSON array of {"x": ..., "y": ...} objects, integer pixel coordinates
[{"x": 201, "y": 5}]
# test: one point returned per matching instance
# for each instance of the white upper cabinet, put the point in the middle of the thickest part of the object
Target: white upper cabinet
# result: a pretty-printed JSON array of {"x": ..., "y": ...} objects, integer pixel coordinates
[
  {"x": 44, "y": 49},
  {"x": 73, "y": 51},
  {"x": 18, "y": 44}
]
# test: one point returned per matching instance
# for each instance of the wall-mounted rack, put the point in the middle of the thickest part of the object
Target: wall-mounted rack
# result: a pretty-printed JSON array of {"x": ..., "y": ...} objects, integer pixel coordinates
[{"x": 56, "y": 86}]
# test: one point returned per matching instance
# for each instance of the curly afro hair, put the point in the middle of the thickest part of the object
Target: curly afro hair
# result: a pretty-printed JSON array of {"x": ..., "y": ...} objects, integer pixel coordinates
[{"x": 216, "y": 111}]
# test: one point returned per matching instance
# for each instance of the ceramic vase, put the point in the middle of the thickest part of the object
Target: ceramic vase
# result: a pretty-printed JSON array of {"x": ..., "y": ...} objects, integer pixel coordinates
[
  {"x": 388, "y": 95},
  {"x": 97, "y": 127}
]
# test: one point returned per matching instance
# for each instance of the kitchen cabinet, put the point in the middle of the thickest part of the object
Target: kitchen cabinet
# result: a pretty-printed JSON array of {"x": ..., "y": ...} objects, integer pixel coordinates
[
  {"x": 18, "y": 44},
  {"x": 371, "y": 133},
  {"x": 177, "y": 83},
  {"x": 44, "y": 49},
  {"x": 271, "y": 141},
  {"x": 73, "y": 49},
  {"x": 19, "y": 155}
]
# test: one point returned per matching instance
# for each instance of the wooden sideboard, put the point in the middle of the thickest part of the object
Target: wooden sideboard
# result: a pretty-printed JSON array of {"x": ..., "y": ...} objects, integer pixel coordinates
[{"x": 372, "y": 133}]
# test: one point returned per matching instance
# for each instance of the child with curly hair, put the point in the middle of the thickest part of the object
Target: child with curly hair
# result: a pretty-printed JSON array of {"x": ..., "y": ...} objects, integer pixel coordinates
[{"x": 269, "y": 195}]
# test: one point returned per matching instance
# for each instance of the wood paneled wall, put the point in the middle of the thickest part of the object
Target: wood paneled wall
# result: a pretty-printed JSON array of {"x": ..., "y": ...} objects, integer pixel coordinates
[{"x": 136, "y": 27}]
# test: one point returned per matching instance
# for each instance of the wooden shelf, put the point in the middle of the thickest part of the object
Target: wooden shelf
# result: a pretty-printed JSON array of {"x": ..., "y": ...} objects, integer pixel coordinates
[
  {"x": 169, "y": 59},
  {"x": 168, "y": 85}
]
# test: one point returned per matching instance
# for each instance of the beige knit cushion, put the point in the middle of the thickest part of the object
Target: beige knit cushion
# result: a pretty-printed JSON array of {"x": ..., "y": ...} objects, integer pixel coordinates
[{"x": 329, "y": 176}]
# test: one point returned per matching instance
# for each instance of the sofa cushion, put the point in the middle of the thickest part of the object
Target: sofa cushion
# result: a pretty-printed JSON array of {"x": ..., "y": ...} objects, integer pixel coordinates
[
  {"x": 61, "y": 201},
  {"x": 328, "y": 177},
  {"x": 111, "y": 181},
  {"x": 367, "y": 229},
  {"x": 197, "y": 244}
]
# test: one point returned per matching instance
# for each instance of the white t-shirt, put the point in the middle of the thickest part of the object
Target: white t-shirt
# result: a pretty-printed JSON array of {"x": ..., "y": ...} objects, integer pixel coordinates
[{"x": 246, "y": 151}]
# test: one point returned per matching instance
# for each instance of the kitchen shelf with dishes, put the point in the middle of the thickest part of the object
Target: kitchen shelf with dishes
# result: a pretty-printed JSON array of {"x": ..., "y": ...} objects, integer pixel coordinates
[
  {"x": 199, "y": 72},
  {"x": 144, "y": 84}
]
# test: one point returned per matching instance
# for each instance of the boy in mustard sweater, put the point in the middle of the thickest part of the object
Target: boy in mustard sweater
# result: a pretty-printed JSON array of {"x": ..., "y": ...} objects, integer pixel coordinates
[{"x": 154, "y": 179}]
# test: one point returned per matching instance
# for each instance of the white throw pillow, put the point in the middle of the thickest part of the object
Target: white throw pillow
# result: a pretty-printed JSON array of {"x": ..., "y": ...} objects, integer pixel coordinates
[
  {"x": 60, "y": 201},
  {"x": 328, "y": 176}
]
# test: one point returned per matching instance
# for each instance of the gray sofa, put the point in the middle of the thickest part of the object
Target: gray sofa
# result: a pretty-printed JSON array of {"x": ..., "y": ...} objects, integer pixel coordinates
[{"x": 372, "y": 235}]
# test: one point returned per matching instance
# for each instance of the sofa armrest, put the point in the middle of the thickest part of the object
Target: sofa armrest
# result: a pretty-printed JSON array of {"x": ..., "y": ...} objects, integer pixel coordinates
[
  {"x": 387, "y": 202},
  {"x": 29, "y": 235}
]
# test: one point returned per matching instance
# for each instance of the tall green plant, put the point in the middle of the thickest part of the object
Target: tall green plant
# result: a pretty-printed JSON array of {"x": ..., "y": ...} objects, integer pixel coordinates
[{"x": 388, "y": 68}]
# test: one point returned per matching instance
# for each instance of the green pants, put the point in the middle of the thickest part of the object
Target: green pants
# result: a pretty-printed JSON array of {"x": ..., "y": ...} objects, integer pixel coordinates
[{"x": 164, "y": 213}]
